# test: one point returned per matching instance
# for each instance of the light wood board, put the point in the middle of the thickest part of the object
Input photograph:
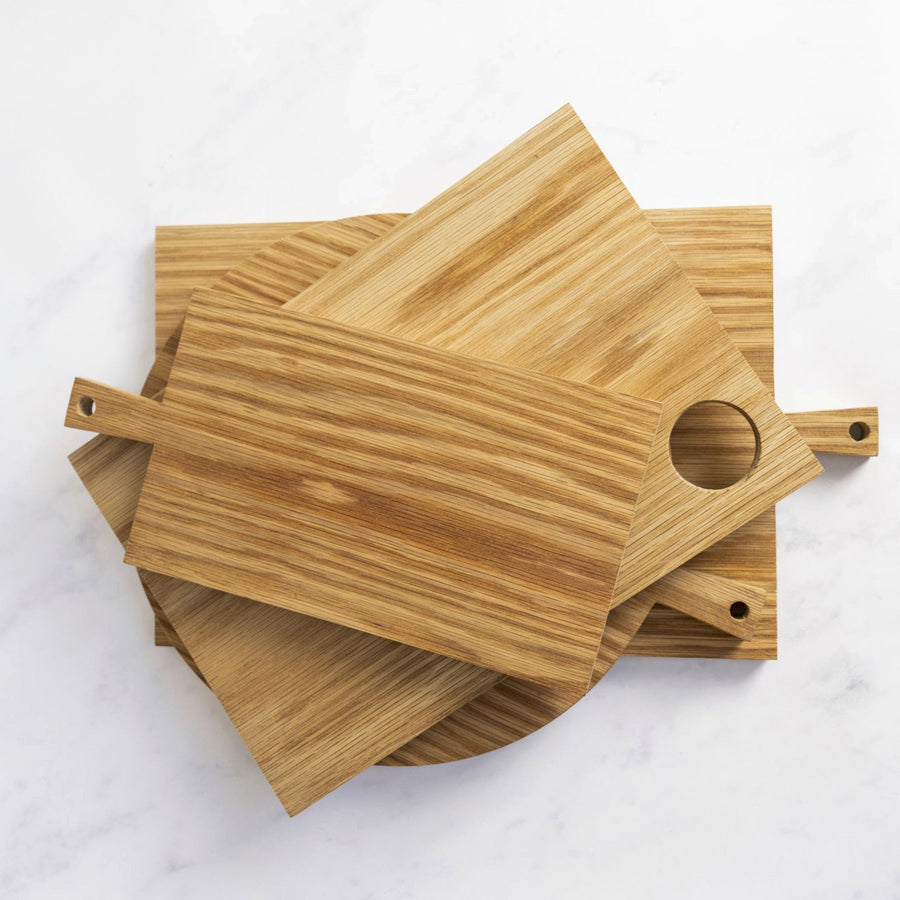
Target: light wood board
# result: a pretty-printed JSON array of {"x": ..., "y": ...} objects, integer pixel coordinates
[
  {"x": 749, "y": 247},
  {"x": 113, "y": 470},
  {"x": 116, "y": 492},
  {"x": 462, "y": 507},
  {"x": 540, "y": 258},
  {"x": 727, "y": 254}
]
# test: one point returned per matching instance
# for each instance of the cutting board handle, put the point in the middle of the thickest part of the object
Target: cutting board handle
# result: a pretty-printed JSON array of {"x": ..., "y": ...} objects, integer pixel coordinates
[
  {"x": 732, "y": 606},
  {"x": 851, "y": 432},
  {"x": 107, "y": 410}
]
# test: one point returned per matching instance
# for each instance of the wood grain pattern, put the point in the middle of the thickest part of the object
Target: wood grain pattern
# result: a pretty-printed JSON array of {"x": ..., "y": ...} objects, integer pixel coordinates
[
  {"x": 113, "y": 470},
  {"x": 541, "y": 259},
  {"x": 728, "y": 251},
  {"x": 309, "y": 718},
  {"x": 713, "y": 445},
  {"x": 514, "y": 708},
  {"x": 190, "y": 256},
  {"x": 232, "y": 258},
  {"x": 315, "y": 702},
  {"x": 851, "y": 432},
  {"x": 732, "y": 607},
  {"x": 377, "y": 705},
  {"x": 458, "y": 506},
  {"x": 727, "y": 254}
]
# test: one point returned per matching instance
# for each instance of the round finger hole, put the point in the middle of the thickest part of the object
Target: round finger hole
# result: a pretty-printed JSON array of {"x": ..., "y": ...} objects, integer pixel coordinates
[
  {"x": 87, "y": 406},
  {"x": 714, "y": 445},
  {"x": 859, "y": 431}
]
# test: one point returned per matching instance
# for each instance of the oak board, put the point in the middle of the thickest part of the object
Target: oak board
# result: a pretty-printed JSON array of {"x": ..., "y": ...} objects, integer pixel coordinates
[
  {"x": 454, "y": 505},
  {"x": 540, "y": 258},
  {"x": 728, "y": 253},
  {"x": 112, "y": 469},
  {"x": 725, "y": 251}
]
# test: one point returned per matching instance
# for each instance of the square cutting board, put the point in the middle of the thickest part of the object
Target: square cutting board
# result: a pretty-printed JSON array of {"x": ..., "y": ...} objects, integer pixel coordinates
[
  {"x": 726, "y": 252},
  {"x": 454, "y": 505}
]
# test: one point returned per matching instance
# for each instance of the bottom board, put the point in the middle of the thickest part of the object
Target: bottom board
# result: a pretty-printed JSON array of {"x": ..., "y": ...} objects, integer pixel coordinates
[{"x": 727, "y": 254}]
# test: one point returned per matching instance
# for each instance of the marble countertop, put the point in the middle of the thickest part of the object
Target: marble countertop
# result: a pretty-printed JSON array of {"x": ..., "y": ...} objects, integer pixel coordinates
[{"x": 120, "y": 774}]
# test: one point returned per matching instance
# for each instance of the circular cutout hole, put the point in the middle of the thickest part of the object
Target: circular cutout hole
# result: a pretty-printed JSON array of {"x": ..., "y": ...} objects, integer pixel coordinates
[
  {"x": 87, "y": 406},
  {"x": 859, "y": 431},
  {"x": 739, "y": 610},
  {"x": 714, "y": 445}
]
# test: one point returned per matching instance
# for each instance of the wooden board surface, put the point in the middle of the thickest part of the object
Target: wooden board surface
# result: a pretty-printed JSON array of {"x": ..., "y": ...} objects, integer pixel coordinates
[
  {"x": 540, "y": 258},
  {"x": 850, "y": 432},
  {"x": 316, "y": 703},
  {"x": 732, "y": 261},
  {"x": 727, "y": 254},
  {"x": 458, "y": 506},
  {"x": 113, "y": 469},
  {"x": 187, "y": 257},
  {"x": 191, "y": 256}
]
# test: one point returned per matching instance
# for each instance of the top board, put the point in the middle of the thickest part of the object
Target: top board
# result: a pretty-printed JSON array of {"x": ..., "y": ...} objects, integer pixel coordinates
[{"x": 458, "y": 506}]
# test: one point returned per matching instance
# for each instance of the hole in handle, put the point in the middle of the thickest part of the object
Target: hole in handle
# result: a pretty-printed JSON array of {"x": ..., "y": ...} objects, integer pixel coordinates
[
  {"x": 86, "y": 406},
  {"x": 739, "y": 610},
  {"x": 859, "y": 431}
]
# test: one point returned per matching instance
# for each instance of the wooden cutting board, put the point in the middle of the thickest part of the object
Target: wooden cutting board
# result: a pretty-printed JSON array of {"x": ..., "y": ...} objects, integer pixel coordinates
[
  {"x": 540, "y": 258},
  {"x": 727, "y": 254},
  {"x": 457, "y": 506},
  {"x": 302, "y": 666}
]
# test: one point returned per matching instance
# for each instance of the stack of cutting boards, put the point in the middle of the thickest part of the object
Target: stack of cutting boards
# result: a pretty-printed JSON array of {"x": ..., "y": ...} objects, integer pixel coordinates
[{"x": 401, "y": 489}]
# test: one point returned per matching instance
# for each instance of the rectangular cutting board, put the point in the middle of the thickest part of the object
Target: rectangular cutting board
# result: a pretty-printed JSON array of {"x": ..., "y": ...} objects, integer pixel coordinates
[
  {"x": 540, "y": 258},
  {"x": 726, "y": 252},
  {"x": 457, "y": 506}
]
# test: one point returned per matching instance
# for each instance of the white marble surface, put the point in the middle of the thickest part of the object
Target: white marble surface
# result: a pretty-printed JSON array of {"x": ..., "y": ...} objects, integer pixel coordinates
[{"x": 120, "y": 776}]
